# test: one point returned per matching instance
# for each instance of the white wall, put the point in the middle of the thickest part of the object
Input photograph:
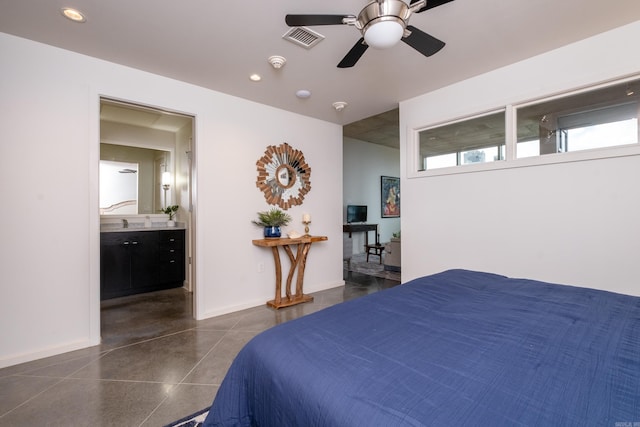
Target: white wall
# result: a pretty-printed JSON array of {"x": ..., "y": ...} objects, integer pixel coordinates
[
  {"x": 363, "y": 165},
  {"x": 574, "y": 223},
  {"x": 49, "y": 104}
]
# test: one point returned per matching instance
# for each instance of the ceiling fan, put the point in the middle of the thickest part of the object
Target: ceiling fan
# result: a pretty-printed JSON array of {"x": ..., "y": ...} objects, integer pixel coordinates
[{"x": 382, "y": 23}]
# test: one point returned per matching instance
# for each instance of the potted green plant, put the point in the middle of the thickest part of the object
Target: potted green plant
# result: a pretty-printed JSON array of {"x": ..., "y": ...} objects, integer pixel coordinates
[
  {"x": 171, "y": 211},
  {"x": 271, "y": 221}
]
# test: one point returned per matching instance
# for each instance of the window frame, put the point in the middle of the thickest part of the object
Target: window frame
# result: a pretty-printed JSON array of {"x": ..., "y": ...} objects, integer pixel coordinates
[
  {"x": 458, "y": 154},
  {"x": 414, "y": 160}
]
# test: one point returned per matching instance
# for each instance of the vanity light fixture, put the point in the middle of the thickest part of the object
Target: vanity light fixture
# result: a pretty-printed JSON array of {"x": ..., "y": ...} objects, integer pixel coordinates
[
  {"x": 255, "y": 77},
  {"x": 166, "y": 180},
  {"x": 166, "y": 184},
  {"x": 73, "y": 15}
]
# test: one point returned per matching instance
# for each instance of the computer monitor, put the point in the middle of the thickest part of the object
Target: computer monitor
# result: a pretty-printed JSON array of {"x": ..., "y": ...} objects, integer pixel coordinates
[{"x": 356, "y": 213}]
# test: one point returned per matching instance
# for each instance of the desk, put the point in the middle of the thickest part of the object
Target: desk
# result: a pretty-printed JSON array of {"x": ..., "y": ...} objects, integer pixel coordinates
[
  {"x": 366, "y": 228},
  {"x": 298, "y": 261}
]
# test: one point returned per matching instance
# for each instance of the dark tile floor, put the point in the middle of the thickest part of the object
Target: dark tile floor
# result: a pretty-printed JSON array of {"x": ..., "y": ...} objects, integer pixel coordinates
[{"x": 155, "y": 364}]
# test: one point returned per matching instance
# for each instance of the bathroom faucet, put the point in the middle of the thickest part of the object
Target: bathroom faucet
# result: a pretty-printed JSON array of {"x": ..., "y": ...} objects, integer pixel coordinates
[{"x": 125, "y": 223}]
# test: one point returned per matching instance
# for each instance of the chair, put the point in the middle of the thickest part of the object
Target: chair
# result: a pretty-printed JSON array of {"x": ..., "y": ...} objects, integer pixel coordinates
[
  {"x": 347, "y": 250},
  {"x": 375, "y": 249},
  {"x": 392, "y": 255}
]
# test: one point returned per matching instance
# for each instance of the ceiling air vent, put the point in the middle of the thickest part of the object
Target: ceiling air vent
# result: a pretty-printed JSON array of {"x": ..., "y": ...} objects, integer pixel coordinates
[{"x": 303, "y": 36}]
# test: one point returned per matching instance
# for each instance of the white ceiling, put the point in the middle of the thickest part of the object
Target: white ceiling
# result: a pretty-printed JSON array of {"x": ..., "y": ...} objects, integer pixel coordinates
[{"x": 217, "y": 44}]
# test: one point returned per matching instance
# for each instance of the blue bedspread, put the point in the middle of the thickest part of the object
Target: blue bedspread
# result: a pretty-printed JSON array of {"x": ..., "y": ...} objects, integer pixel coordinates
[{"x": 459, "y": 348}]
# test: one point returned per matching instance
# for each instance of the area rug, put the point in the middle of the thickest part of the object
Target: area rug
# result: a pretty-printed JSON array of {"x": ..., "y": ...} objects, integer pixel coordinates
[
  {"x": 193, "y": 420},
  {"x": 360, "y": 265}
]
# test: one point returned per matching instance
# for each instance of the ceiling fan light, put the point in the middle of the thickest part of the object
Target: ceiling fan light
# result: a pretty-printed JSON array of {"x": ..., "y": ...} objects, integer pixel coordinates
[{"x": 383, "y": 34}]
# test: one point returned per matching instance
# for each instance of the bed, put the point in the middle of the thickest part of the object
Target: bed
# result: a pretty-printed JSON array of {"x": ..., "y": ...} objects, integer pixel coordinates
[{"x": 458, "y": 348}]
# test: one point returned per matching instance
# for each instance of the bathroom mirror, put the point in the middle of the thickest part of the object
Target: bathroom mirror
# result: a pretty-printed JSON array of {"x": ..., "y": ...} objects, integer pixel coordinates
[
  {"x": 131, "y": 180},
  {"x": 139, "y": 143},
  {"x": 118, "y": 188}
]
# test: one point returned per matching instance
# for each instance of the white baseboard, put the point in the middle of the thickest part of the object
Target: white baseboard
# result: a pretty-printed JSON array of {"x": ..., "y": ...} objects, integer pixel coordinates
[
  {"x": 47, "y": 352},
  {"x": 256, "y": 303}
]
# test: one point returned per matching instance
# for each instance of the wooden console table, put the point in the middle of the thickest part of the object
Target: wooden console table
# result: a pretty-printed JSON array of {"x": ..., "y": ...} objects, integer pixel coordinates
[{"x": 298, "y": 261}]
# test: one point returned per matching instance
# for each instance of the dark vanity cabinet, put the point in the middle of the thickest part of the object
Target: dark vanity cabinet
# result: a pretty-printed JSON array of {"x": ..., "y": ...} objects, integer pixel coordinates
[
  {"x": 171, "y": 268},
  {"x": 133, "y": 262}
]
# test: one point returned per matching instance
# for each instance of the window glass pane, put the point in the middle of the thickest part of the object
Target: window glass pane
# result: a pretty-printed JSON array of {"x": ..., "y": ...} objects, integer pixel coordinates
[
  {"x": 442, "y": 161},
  {"x": 528, "y": 148},
  {"x": 605, "y": 135},
  {"x": 474, "y": 140},
  {"x": 603, "y": 117},
  {"x": 479, "y": 156}
]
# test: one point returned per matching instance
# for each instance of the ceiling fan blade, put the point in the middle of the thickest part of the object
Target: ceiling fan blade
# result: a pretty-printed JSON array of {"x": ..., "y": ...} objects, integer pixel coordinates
[
  {"x": 303, "y": 20},
  {"x": 431, "y": 4},
  {"x": 422, "y": 42},
  {"x": 354, "y": 54}
]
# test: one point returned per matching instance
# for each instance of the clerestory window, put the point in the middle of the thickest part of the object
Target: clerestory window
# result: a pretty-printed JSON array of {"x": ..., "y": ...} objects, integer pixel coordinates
[
  {"x": 597, "y": 118},
  {"x": 590, "y": 119}
]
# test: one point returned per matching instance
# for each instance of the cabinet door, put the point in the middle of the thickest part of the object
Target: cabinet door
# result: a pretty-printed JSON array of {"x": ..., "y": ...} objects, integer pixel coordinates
[
  {"x": 144, "y": 259},
  {"x": 115, "y": 265}
]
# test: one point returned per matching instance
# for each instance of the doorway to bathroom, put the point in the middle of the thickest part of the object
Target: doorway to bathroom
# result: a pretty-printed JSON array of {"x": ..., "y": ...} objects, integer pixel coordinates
[{"x": 151, "y": 150}]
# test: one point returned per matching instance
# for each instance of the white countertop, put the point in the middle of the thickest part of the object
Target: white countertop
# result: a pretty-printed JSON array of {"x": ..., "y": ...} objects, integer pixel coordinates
[{"x": 112, "y": 228}]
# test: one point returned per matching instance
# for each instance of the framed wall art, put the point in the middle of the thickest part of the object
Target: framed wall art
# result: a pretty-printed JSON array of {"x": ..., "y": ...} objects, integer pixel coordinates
[{"x": 390, "y": 196}]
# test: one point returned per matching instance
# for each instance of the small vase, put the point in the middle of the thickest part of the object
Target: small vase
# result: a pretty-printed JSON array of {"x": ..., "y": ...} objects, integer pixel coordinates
[
  {"x": 272, "y": 232},
  {"x": 171, "y": 223}
]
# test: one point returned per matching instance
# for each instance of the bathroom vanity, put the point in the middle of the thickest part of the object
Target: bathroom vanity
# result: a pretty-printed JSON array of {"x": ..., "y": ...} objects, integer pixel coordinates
[{"x": 141, "y": 260}]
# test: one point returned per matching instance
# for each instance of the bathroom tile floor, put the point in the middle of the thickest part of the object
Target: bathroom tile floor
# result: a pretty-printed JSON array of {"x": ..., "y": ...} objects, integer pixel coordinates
[{"x": 155, "y": 364}]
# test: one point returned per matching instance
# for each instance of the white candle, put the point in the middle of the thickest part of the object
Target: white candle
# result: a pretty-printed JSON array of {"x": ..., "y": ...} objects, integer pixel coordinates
[{"x": 306, "y": 218}]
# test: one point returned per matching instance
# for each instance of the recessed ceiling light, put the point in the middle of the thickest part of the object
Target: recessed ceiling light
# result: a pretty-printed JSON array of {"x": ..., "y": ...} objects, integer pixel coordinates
[
  {"x": 303, "y": 93},
  {"x": 73, "y": 14},
  {"x": 255, "y": 77}
]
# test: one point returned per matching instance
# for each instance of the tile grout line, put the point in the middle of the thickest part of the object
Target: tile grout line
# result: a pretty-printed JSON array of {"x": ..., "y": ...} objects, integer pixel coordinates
[
  {"x": 33, "y": 397},
  {"x": 166, "y": 405},
  {"x": 60, "y": 380},
  {"x": 190, "y": 371}
]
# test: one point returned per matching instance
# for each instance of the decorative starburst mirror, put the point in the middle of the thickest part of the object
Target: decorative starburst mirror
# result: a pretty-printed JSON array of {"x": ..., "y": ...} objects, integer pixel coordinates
[{"x": 283, "y": 176}]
